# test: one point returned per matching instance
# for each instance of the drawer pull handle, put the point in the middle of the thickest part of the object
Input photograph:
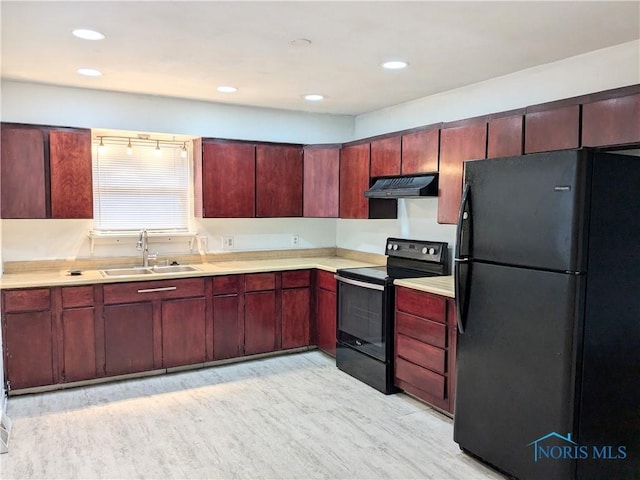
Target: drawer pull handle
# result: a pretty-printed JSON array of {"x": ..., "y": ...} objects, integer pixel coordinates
[{"x": 161, "y": 289}]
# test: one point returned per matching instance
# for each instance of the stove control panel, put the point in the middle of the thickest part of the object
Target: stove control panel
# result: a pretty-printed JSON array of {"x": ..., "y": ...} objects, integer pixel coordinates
[{"x": 417, "y": 250}]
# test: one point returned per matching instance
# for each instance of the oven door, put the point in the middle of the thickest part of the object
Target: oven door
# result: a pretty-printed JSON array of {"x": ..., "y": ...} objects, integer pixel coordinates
[{"x": 363, "y": 316}]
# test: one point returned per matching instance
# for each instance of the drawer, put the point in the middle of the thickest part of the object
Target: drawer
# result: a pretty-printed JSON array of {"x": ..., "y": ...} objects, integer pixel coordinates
[
  {"x": 422, "y": 354},
  {"x": 156, "y": 290},
  {"x": 421, "y": 304},
  {"x": 326, "y": 280},
  {"x": 423, "y": 379},
  {"x": 77, "y": 297},
  {"x": 256, "y": 282},
  {"x": 422, "y": 329},
  {"x": 226, "y": 284},
  {"x": 296, "y": 278},
  {"x": 27, "y": 300}
]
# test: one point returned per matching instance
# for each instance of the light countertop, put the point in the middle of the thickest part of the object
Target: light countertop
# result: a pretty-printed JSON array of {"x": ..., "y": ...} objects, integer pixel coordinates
[{"x": 436, "y": 285}]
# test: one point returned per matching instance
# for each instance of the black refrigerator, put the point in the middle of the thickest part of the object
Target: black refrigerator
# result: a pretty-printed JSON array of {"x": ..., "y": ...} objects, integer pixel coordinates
[{"x": 547, "y": 277}]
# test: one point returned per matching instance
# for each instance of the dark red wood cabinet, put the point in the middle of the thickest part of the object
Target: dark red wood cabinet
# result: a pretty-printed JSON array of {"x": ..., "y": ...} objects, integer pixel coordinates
[
  {"x": 385, "y": 156},
  {"x": 321, "y": 182},
  {"x": 225, "y": 179},
  {"x": 22, "y": 173},
  {"x": 505, "y": 136},
  {"x": 551, "y": 128},
  {"x": 420, "y": 152},
  {"x": 326, "y": 311},
  {"x": 261, "y": 326},
  {"x": 82, "y": 335},
  {"x": 296, "y": 308},
  {"x": 425, "y": 338},
  {"x": 279, "y": 181},
  {"x": 613, "y": 121},
  {"x": 29, "y": 344},
  {"x": 354, "y": 180},
  {"x": 457, "y": 144},
  {"x": 183, "y": 332},
  {"x": 71, "y": 174},
  {"x": 228, "y": 316}
]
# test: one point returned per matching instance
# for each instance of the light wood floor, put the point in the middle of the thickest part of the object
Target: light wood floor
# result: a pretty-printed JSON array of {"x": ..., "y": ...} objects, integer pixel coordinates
[{"x": 294, "y": 417}]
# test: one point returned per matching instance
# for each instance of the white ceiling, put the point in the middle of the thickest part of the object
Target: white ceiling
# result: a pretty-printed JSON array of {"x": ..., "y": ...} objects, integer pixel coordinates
[{"x": 186, "y": 49}]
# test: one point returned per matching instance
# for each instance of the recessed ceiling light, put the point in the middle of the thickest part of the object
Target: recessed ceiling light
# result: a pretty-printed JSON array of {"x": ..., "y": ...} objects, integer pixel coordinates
[
  {"x": 89, "y": 72},
  {"x": 395, "y": 65},
  {"x": 313, "y": 97},
  {"x": 300, "y": 42},
  {"x": 87, "y": 34},
  {"x": 227, "y": 89}
]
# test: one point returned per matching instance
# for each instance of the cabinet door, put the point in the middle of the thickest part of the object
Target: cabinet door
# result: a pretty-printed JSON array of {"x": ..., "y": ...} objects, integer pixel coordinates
[
  {"x": 505, "y": 136},
  {"x": 22, "y": 173},
  {"x": 183, "y": 332},
  {"x": 79, "y": 345},
  {"x": 321, "y": 182},
  {"x": 71, "y": 177},
  {"x": 326, "y": 319},
  {"x": 278, "y": 181},
  {"x": 259, "y": 322},
  {"x": 228, "y": 180},
  {"x": 296, "y": 317},
  {"x": 227, "y": 327},
  {"x": 420, "y": 152},
  {"x": 128, "y": 331},
  {"x": 354, "y": 180},
  {"x": 556, "y": 129},
  {"x": 28, "y": 347},
  {"x": 615, "y": 121},
  {"x": 385, "y": 156},
  {"x": 457, "y": 145}
]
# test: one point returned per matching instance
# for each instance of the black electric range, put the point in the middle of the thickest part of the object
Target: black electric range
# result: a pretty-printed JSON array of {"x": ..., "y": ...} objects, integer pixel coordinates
[{"x": 364, "y": 346}]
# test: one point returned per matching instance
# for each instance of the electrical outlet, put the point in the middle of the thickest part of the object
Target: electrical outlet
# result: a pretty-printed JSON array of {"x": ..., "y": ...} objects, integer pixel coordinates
[
  {"x": 295, "y": 240},
  {"x": 227, "y": 243}
]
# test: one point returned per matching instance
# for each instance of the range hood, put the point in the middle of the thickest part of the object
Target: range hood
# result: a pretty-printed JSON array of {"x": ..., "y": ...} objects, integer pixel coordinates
[{"x": 402, "y": 187}]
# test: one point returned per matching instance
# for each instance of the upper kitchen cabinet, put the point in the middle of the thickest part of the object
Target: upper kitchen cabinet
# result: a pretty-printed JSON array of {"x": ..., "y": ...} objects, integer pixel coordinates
[
  {"x": 46, "y": 172},
  {"x": 321, "y": 181},
  {"x": 22, "y": 173},
  {"x": 71, "y": 174},
  {"x": 457, "y": 144},
  {"x": 354, "y": 180},
  {"x": 420, "y": 152},
  {"x": 225, "y": 180},
  {"x": 613, "y": 121},
  {"x": 385, "y": 156},
  {"x": 505, "y": 134},
  {"x": 550, "y": 127},
  {"x": 278, "y": 181}
]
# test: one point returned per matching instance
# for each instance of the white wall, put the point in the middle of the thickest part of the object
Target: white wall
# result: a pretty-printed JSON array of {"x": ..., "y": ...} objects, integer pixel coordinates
[{"x": 605, "y": 69}]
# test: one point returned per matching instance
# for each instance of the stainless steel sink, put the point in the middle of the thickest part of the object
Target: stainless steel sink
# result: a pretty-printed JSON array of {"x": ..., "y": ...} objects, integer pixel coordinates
[
  {"x": 173, "y": 268},
  {"x": 125, "y": 272}
]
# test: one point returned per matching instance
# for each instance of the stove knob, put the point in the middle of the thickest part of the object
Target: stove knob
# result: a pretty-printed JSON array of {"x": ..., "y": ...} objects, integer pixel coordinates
[
  {"x": 389, "y": 246},
  {"x": 432, "y": 251},
  {"x": 424, "y": 250},
  {"x": 395, "y": 246}
]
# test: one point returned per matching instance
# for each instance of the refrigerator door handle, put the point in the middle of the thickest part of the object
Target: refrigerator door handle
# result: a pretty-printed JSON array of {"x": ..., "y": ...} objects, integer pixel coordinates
[{"x": 462, "y": 266}]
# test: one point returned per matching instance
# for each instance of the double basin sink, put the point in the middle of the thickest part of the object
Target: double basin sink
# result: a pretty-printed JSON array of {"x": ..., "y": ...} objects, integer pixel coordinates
[{"x": 129, "y": 271}]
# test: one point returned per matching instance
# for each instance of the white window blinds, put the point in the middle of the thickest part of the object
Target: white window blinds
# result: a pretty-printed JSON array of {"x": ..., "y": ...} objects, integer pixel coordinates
[{"x": 141, "y": 189}]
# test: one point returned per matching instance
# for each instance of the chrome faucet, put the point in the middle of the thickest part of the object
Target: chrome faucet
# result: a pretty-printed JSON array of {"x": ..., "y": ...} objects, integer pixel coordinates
[{"x": 143, "y": 244}]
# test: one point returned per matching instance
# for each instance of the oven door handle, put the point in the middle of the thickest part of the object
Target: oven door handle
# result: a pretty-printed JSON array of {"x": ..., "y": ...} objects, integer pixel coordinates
[{"x": 358, "y": 283}]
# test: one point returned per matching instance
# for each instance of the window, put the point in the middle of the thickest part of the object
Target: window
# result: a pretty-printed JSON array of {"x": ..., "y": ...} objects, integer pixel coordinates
[{"x": 147, "y": 188}]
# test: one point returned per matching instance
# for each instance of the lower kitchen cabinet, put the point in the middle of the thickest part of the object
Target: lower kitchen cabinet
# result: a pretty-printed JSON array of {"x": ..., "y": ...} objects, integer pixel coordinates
[
  {"x": 128, "y": 332},
  {"x": 28, "y": 338},
  {"x": 228, "y": 315},
  {"x": 183, "y": 332},
  {"x": 425, "y": 338},
  {"x": 296, "y": 308},
  {"x": 326, "y": 312},
  {"x": 260, "y": 314}
]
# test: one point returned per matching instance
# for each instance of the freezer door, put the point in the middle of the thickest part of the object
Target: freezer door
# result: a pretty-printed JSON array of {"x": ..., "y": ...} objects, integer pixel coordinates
[
  {"x": 529, "y": 210},
  {"x": 515, "y": 377}
]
